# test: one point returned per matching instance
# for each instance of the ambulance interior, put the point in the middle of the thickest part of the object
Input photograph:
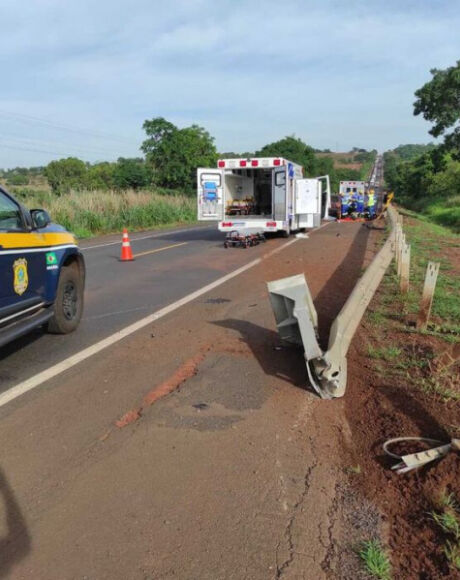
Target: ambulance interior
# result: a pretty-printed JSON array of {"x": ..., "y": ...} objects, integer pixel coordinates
[{"x": 248, "y": 192}]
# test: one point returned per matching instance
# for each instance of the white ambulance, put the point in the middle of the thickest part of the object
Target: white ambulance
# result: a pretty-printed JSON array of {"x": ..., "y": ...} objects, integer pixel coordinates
[{"x": 263, "y": 194}]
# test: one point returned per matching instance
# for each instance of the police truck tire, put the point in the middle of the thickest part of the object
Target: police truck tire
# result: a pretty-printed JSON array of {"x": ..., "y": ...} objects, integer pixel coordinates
[{"x": 68, "y": 306}]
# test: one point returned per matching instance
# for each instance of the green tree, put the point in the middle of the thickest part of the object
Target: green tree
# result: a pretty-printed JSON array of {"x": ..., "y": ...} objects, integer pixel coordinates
[
  {"x": 66, "y": 174},
  {"x": 346, "y": 174},
  {"x": 175, "y": 154},
  {"x": 291, "y": 148},
  {"x": 100, "y": 176},
  {"x": 18, "y": 179},
  {"x": 439, "y": 102},
  {"x": 446, "y": 183},
  {"x": 131, "y": 174},
  {"x": 411, "y": 151}
]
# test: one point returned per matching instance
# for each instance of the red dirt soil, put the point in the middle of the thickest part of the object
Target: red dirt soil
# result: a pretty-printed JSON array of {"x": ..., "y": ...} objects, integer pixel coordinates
[{"x": 382, "y": 405}]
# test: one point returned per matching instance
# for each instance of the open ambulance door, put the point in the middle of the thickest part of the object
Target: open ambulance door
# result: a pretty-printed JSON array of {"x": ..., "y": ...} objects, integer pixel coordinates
[
  {"x": 210, "y": 184},
  {"x": 308, "y": 202},
  {"x": 279, "y": 194}
]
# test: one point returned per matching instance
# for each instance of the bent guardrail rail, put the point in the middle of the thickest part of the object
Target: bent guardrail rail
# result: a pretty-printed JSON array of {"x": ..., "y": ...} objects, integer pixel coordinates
[{"x": 296, "y": 319}]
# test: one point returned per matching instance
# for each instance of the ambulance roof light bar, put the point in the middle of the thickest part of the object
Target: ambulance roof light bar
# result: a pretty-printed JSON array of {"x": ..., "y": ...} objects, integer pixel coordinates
[{"x": 251, "y": 162}]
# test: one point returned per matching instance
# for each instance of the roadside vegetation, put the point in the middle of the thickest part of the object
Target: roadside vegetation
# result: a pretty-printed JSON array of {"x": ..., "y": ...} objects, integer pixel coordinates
[
  {"x": 87, "y": 213},
  {"x": 426, "y": 179},
  {"x": 375, "y": 560},
  {"x": 396, "y": 313},
  {"x": 447, "y": 518}
]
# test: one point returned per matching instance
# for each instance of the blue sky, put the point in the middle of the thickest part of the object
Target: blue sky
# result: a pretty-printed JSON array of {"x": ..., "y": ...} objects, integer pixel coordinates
[{"x": 80, "y": 77}]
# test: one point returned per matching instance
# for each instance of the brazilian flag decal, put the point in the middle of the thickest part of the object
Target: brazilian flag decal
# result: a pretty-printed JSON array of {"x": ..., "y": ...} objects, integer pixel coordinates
[{"x": 51, "y": 259}]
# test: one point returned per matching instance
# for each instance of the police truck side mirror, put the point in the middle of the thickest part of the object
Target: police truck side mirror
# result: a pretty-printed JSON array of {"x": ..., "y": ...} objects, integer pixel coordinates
[{"x": 40, "y": 218}]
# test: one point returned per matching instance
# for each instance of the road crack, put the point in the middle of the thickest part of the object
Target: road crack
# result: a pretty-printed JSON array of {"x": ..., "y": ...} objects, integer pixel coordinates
[
  {"x": 332, "y": 518},
  {"x": 282, "y": 568}
]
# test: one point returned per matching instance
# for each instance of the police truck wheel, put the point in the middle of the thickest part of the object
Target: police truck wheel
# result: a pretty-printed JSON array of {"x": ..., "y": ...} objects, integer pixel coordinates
[{"x": 68, "y": 306}]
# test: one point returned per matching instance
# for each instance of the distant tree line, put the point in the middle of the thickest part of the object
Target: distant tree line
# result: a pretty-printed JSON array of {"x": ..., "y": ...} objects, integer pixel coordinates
[
  {"x": 172, "y": 156},
  {"x": 69, "y": 174}
]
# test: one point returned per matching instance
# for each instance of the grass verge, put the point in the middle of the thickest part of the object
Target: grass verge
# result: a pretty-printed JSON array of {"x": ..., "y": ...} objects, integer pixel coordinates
[
  {"x": 393, "y": 315},
  {"x": 447, "y": 519},
  {"x": 442, "y": 211},
  {"x": 375, "y": 560},
  {"x": 90, "y": 213}
]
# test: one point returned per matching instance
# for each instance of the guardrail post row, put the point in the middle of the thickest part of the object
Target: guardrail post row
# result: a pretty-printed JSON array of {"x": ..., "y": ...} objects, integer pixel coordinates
[
  {"x": 431, "y": 276},
  {"x": 405, "y": 269}
]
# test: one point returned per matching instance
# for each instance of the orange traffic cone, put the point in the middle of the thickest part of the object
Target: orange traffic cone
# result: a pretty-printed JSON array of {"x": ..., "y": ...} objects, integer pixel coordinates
[{"x": 126, "y": 252}]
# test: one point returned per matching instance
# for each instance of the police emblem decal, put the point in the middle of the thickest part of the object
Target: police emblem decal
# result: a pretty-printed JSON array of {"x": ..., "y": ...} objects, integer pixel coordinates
[
  {"x": 21, "y": 277},
  {"x": 51, "y": 261}
]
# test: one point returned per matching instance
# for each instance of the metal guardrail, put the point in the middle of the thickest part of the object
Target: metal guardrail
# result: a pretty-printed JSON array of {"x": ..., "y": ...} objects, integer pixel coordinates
[{"x": 293, "y": 306}]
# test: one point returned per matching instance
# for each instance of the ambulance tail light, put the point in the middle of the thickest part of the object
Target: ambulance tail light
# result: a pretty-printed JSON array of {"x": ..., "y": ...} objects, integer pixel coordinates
[
  {"x": 271, "y": 224},
  {"x": 227, "y": 224}
]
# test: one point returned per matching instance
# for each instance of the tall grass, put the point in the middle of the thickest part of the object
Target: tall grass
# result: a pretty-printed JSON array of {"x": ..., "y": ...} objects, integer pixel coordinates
[
  {"x": 444, "y": 211},
  {"x": 89, "y": 213}
]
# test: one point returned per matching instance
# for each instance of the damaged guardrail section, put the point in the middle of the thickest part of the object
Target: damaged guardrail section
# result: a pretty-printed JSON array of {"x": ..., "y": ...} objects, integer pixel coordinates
[{"x": 296, "y": 319}]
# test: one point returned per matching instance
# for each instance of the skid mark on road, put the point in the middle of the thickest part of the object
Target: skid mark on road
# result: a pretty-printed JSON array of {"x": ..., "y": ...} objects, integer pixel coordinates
[{"x": 188, "y": 369}]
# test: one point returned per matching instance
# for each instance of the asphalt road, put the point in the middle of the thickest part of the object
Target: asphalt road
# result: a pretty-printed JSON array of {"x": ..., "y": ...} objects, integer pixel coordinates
[
  {"x": 233, "y": 475},
  {"x": 168, "y": 266}
]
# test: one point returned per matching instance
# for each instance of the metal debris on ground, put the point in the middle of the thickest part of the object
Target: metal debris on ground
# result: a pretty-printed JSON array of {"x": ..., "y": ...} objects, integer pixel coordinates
[
  {"x": 415, "y": 460},
  {"x": 201, "y": 406},
  {"x": 216, "y": 300}
]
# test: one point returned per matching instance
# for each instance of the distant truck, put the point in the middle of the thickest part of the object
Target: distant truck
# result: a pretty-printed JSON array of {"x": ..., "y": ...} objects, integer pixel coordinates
[{"x": 263, "y": 194}]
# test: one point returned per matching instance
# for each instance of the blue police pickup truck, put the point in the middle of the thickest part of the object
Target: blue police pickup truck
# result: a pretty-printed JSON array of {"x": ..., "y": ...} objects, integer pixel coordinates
[{"x": 42, "y": 272}]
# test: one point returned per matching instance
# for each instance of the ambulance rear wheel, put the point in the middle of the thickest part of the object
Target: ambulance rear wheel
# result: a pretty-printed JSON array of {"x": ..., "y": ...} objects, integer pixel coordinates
[
  {"x": 286, "y": 233},
  {"x": 68, "y": 306}
]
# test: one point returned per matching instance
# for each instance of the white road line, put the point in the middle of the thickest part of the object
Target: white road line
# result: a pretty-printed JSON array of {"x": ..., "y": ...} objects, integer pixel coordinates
[
  {"x": 73, "y": 360},
  {"x": 147, "y": 237}
]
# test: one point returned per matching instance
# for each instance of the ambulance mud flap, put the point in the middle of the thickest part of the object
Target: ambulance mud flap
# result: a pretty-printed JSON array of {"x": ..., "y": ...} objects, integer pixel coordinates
[{"x": 296, "y": 320}]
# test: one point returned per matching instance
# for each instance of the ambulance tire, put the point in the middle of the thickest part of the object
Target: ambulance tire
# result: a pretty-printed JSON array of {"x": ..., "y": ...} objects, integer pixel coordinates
[{"x": 68, "y": 306}]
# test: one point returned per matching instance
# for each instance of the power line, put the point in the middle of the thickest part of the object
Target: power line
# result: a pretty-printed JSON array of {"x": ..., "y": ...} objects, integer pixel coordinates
[
  {"x": 6, "y": 139},
  {"x": 34, "y": 150},
  {"x": 41, "y": 121}
]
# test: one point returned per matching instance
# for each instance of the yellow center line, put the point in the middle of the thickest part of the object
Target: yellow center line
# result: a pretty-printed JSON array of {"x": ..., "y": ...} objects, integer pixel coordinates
[{"x": 159, "y": 249}]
